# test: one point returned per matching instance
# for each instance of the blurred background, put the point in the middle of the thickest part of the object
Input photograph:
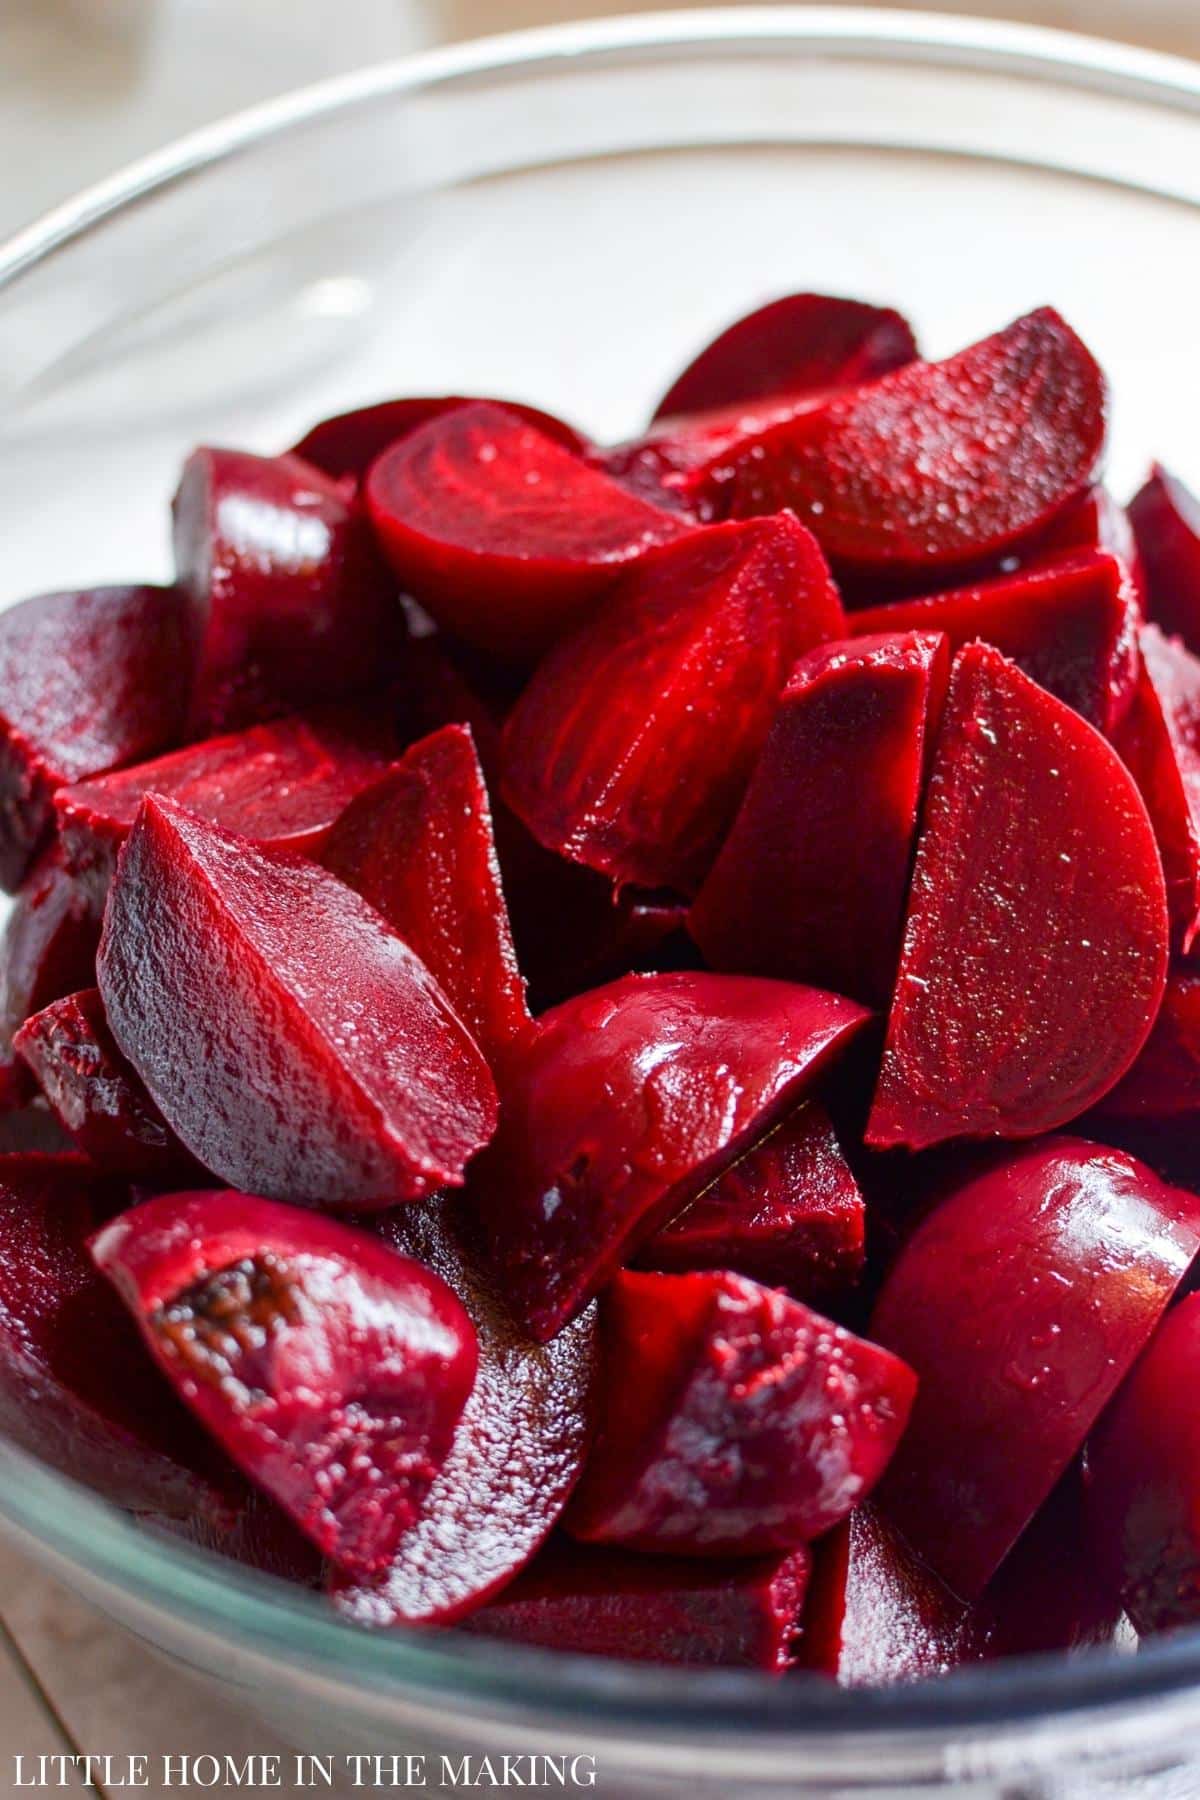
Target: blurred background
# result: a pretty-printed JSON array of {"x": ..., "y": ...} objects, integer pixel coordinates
[{"x": 85, "y": 85}]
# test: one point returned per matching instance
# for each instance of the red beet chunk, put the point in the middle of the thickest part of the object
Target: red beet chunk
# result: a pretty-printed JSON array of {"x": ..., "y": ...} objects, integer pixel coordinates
[
  {"x": 1071, "y": 624},
  {"x": 1160, "y": 741},
  {"x": 332, "y": 1370},
  {"x": 1097, "y": 523},
  {"x": 789, "y": 1214},
  {"x": 1021, "y": 1301},
  {"x": 418, "y": 847},
  {"x": 732, "y": 1419},
  {"x": 49, "y": 945},
  {"x": 281, "y": 784},
  {"x": 627, "y": 1102},
  {"x": 289, "y": 601},
  {"x": 1051, "y": 1592},
  {"x": 939, "y": 465},
  {"x": 507, "y": 537},
  {"x": 1166, "y": 520},
  {"x": 294, "y": 1044},
  {"x": 807, "y": 887},
  {"x": 632, "y": 745},
  {"x": 89, "y": 681},
  {"x": 517, "y": 1450},
  {"x": 350, "y": 442},
  {"x": 1035, "y": 948},
  {"x": 795, "y": 345},
  {"x": 95, "y": 1094},
  {"x": 1164, "y": 1082},
  {"x": 589, "y": 1601}
]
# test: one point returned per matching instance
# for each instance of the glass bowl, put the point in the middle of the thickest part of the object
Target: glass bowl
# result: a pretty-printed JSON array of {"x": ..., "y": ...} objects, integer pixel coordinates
[{"x": 564, "y": 216}]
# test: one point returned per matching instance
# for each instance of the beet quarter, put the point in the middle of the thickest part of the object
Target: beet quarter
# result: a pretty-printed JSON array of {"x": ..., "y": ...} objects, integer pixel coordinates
[
  {"x": 348, "y": 443},
  {"x": 1166, "y": 520},
  {"x": 1160, "y": 741}
]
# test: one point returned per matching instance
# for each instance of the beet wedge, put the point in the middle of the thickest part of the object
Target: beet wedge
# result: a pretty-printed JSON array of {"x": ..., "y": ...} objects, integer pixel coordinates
[
  {"x": 940, "y": 465},
  {"x": 1164, "y": 1082},
  {"x": 49, "y": 944},
  {"x": 1096, "y": 523},
  {"x": 321, "y": 1065},
  {"x": 1021, "y": 1301},
  {"x": 631, "y": 747},
  {"x": 807, "y": 887},
  {"x": 732, "y": 1419},
  {"x": 516, "y": 1453},
  {"x": 1035, "y": 950},
  {"x": 332, "y": 1370},
  {"x": 626, "y": 1103},
  {"x": 506, "y": 536},
  {"x": 1166, "y": 522},
  {"x": 1160, "y": 741},
  {"x": 348, "y": 443}
]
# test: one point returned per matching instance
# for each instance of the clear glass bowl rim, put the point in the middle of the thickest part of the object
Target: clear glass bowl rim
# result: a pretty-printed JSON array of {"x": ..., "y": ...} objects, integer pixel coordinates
[{"x": 77, "y": 1534}]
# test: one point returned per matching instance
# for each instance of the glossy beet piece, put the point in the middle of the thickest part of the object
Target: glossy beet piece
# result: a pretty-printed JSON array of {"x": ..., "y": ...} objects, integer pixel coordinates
[
  {"x": 96, "y": 1095},
  {"x": 282, "y": 784},
  {"x": 507, "y": 537},
  {"x": 1070, "y": 623},
  {"x": 348, "y": 443},
  {"x": 591, "y": 1601},
  {"x": 1097, "y": 523},
  {"x": 332, "y": 1370},
  {"x": 89, "y": 681},
  {"x": 789, "y": 1213},
  {"x": 323, "y": 1065},
  {"x": 1035, "y": 948},
  {"x": 517, "y": 1449},
  {"x": 1164, "y": 1082},
  {"x": 1021, "y": 1301},
  {"x": 1166, "y": 520},
  {"x": 628, "y": 1102},
  {"x": 732, "y": 1419},
  {"x": 418, "y": 847},
  {"x": 939, "y": 465},
  {"x": 49, "y": 944},
  {"x": 1160, "y": 741},
  {"x": 807, "y": 887},
  {"x": 632, "y": 745},
  {"x": 289, "y": 602},
  {"x": 1052, "y": 1591},
  {"x": 802, "y": 343}
]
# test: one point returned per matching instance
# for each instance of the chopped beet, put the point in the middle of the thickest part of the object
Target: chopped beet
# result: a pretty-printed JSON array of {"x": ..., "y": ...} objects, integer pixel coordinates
[
  {"x": 1160, "y": 741},
  {"x": 49, "y": 945},
  {"x": 1035, "y": 949},
  {"x": 789, "y": 1213},
  {"x": 1166, "y": 519},
  {"x": 627, "y": 1102},
  {"x": 350, "y": 442},
  {"x": 89, "y": 681},
  {"x": 418, "y": 847},
  {"x": 332, "y": 1370},
  {"x": 506, "y": 536},
  {"x": 807, "y": 887},
  {"x": 289, "y": 600},
  {"x": 1070, "y": 623},
  {"x": 732, "y": 1419},
  {"x": 517, "y": 1450},
  {"x": 1164, "y": 1082},
  {"x": 321, "y": 1064},
  {"x": 631, "y": 747},
  {"x": 1097, "y": 523},
  {"x": 1021, "y": 1301},
  {"x": 938, "y": 465},
  {"x": 1051, "y": 1591}
]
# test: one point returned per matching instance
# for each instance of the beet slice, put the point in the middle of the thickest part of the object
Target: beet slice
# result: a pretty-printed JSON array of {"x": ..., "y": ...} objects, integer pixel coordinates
[
  {"x": 732, "y": 1420},
  {"x": 517, "y": 1450},
  {"x": 96, "y": 1095},
  {"x": 89, "y": 680},
  {"x": 1097, "y": 523},
  {"x": 507, "y": 537},
  {"x": 938, "y": 465},
  {"x": 806, "y": 887},
  {"x": 632, "y": 745},
  {"x": 592, "y": 1601},
  {"x": 1166, "y": 521},
  {"x": 289, "y": 601},
  {"x": 282, "y": 784},
  {"x": 348, "y": 443},
  {"x": 1160, "y": 741},
  {"x": 1070, "y": 623},
  {"x": 627, "y": 1102},
  {"x": 332, "y": 1370},
  {"x": 795, "y": 345},
  {"x": 1164, "y": 1082},
  {"x": 295, "y": 1045},
  {"x": 1052, "y": 1592},
  {"x": 49, "y": 945},
  {"x": 789, "y": 1213},
  {"x": 418, "y": 847},
  {"x": 1035, "y": 948},
  {"x": 1021, "y": 1301}
]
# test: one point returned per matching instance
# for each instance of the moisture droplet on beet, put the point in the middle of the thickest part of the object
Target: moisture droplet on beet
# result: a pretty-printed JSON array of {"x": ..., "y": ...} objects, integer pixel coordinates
[{"x": 1166, "y": 521}]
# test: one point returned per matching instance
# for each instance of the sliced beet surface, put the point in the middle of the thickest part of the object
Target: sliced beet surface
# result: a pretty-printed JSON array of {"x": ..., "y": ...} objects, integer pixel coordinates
[
  {"x": 49, "y": 944},
  {"x": 1166, "y": 520},
  {"x": 332, "y": 1370},
  {"x": 295, "y": 1045},
  {"x": 348, "y": 443},
  {"x": 1164, "y": 1082},
  {"x": 631, "y": 747},
  {"x": 1160, "y": 741},
  {"x": 503, "y": 534},
  {"x": 627, "y": 1102},
  {"x": 1035, "y": 948},
  {"x": 732, "y": 1419},
  {"x": 1021, "y": 1301},
  {"x": 807, "y": 887}
]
